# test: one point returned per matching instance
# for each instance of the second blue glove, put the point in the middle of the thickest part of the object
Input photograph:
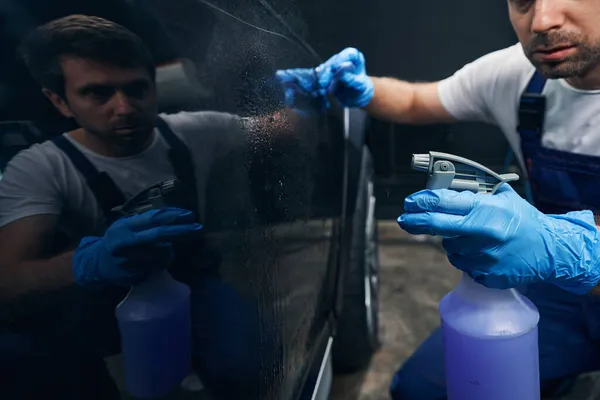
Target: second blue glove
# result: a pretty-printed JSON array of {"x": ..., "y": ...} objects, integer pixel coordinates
[{"x": 132, "y": 248}]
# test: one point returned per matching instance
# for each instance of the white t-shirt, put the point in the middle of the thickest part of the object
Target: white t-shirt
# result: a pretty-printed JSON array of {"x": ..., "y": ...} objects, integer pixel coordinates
[
  {"x": 488, "y": 90},
  {"x": 42, "y": 179}
]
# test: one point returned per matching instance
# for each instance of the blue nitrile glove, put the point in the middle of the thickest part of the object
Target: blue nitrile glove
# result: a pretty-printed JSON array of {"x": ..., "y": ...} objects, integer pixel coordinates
[
  {"x": 503, "y": 242},
  {"x": 132, "y": 248},
  {"x": 302, "y": 92},
  {"x": 344, "y": 75}
]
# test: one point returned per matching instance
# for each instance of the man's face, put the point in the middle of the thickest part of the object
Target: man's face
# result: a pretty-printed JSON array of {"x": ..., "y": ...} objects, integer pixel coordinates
[
  {"x": 116, "y": 105},
  {"x": 561, "y": 38}
]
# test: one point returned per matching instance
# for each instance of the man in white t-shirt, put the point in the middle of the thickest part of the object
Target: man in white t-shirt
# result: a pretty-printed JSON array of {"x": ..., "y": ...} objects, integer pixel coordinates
[
  {"x": 102, "y": 75},
  {"x": 544, "y": 94}
]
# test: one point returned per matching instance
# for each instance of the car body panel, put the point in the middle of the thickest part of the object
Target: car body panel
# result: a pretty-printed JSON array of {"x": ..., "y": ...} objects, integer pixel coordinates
[{"x": 276, "y": 197}]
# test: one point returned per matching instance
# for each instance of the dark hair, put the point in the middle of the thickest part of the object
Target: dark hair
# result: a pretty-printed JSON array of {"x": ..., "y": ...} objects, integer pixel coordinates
[{"x": 82, "y": 36}]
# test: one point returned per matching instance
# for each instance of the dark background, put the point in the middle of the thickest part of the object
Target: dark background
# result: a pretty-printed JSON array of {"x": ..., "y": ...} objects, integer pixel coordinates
[{"x": 423, "y": 40}]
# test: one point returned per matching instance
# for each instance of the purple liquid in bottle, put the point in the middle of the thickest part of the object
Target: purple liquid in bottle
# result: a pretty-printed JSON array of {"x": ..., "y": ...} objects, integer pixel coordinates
[
  {"x": 490, "y": 344},
  {"x": 154, "y": 320}
]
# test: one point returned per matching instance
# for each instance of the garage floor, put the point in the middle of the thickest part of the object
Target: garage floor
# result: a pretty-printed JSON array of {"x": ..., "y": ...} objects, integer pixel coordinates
[{"x": 414, "y": 276}]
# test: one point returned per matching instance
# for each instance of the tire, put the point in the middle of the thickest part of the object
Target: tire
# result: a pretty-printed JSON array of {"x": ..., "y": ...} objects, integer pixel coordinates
[{"x": 357, "y": 335}]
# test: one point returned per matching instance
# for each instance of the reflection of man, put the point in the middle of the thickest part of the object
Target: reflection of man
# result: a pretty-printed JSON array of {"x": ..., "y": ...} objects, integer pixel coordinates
[{"x": 101, "y": 75}]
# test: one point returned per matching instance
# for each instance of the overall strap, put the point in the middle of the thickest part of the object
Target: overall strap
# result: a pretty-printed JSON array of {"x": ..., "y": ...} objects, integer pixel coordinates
[
  {"x": 530, "y": 125},
  {"x": 532, "y": 109},
  {"x": 182, "y": 162},
  {"x": 173, "y": 141},
  {"x": 102, "y": 186}
]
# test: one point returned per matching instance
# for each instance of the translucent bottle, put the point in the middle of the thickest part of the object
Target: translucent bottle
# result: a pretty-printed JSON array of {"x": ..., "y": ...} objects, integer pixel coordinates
[
  {"x": 490, "y": 343},
  {"x": 154, "y": 320}
]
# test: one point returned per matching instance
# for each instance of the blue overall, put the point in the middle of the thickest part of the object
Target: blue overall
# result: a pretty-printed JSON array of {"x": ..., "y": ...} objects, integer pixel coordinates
[
  {"x": 569, "y": 328},
  {"x": 61, "y": 355},
  {"x": 57, "y": 352}
]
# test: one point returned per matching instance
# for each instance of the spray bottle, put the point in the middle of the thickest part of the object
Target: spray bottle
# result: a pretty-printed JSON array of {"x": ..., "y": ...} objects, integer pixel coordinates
[
  {"x": 154, "y": 318},
  {"x": 490, "y": 335}
]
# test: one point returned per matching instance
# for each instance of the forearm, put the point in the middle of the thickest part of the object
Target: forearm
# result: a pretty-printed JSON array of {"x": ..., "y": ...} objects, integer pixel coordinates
[
  {"x": 36, "y": 276},
  {"x": 392, "y": 100},
  {"x": 407, "y": 103}
]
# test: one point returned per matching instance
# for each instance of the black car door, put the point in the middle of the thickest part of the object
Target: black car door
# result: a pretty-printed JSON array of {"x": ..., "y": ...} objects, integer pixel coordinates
[
  {"x": 272, "y": 200},
  {"x": 271, "y": 192}
]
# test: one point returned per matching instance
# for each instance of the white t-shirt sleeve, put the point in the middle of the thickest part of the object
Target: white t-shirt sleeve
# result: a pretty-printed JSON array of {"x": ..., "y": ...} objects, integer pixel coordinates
[
  {"x": 28, "y": 187},
  {"x": 207, "y": 129},
  {"x": 480, "y": 88},
  {"x": 195, "y": 122}
]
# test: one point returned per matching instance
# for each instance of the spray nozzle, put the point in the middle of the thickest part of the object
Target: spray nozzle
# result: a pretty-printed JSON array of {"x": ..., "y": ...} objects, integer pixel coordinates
[{"x": 447, "y": 171}]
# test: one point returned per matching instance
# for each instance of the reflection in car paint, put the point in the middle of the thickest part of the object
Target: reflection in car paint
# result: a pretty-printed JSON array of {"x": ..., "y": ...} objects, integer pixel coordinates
[{"x": 271, "y": 199}]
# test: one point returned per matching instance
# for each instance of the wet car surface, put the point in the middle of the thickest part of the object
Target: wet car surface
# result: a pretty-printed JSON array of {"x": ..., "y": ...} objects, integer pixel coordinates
[{"x": 276, "y": 194}]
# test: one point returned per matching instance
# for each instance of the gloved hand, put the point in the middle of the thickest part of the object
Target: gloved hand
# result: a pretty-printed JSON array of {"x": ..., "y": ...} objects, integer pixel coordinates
[
  {"x": 344, "y": 75},
  {"x": 502, "y": 241},
  {"x": 132, "y": 248}
]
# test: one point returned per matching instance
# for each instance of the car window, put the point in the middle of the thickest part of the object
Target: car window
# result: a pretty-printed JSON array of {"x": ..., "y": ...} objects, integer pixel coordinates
[
  {"x": 290, "y": 14},
  {"x": 212, "y": 25}
]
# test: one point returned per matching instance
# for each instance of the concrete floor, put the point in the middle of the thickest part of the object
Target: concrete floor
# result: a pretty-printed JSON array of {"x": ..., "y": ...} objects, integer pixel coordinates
[{"x": 414, "y": 276}]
